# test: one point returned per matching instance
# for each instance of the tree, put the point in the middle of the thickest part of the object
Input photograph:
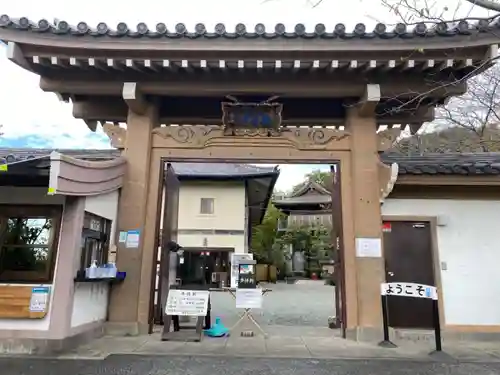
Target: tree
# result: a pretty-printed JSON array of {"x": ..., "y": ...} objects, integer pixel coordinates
[
  {"x": 468, "y": 123},
  {"x": 424, "y": 8},
  {"x": 313, "y": 242},
  {"x": 264, "y": 235},
  {"x": 318, "y": 176}
]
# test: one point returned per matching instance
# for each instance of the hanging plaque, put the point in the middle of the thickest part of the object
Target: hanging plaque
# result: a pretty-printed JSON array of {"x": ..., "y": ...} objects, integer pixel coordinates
[{"x": 251, "y": 116}]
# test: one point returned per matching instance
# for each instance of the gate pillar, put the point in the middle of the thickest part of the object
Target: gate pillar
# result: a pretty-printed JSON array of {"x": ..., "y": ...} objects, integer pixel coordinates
[
  {"x": 126, "y": 298},
  {"x": 367, "y": 220}
]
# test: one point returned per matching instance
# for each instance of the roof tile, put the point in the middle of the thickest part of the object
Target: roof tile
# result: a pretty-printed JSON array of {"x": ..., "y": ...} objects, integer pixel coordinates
[{"x": 180, "y": 30}]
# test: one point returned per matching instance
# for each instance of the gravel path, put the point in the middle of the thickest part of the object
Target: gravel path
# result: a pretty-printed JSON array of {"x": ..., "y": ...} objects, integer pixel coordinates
[{"x": 307, "y": 304}]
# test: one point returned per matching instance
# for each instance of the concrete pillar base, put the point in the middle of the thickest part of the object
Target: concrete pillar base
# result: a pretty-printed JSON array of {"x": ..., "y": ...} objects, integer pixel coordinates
[
  {"x": 365, "y": 334},
  {"x": 123, "y": 329}
]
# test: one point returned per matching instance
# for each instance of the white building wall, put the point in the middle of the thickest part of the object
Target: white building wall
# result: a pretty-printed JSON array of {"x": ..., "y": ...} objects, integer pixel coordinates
[
  {"x": 90, "y": 303},
  {"x": 229, "y": 215},
  {"x": 105, "y": 205},
  {"x": 90, "y": 300},
  {"x": 471, "y": 251}
]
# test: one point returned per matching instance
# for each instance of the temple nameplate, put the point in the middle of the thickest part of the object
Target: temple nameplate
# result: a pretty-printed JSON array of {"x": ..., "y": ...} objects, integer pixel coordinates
[{"x": 251, "y": 116}]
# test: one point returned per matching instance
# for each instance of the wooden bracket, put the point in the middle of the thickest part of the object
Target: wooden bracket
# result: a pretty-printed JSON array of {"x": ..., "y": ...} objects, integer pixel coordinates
[
  {"x": 369, "y": 101},
  {"x": 134, "y": 98}
]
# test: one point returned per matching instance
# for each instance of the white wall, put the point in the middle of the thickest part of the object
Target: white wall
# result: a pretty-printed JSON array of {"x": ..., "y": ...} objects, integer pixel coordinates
[
  {"x": 471, "y": 250},
  {"x": 90, "y": 303},
  {"x": 105, "y": 205},
  {"x": 229, "y": 214}
]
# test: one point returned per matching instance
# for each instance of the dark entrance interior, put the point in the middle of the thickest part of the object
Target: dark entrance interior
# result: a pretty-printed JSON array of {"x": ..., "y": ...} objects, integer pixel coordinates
[
  {"x": 208, "y": 267},
  {"x": 408, "y": 258}
]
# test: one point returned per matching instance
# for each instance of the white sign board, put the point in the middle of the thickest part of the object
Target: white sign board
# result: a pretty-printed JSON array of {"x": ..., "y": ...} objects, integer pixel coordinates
[
  {"x": 133, "y": 238},
  {"x": 368, "y": 247},
  {"x": 249, "y": 298},
  {"x": 187, "y": 302},
  {"x": 235, "y": 263},
  {"x": 409, "y": 290},
  {"x": 39, "y": 299}
]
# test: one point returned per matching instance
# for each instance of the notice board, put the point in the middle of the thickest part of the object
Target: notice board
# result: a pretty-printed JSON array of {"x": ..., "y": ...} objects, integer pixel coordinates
[{"x": 24, "y": 301}]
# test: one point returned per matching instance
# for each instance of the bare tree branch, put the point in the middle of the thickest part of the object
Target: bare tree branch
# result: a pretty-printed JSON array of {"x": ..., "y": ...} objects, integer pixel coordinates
[{"x": 486, "y": 4}]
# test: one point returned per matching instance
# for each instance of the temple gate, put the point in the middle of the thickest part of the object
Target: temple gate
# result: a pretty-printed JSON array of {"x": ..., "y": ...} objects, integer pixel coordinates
[{"x": 344, "y": 97}]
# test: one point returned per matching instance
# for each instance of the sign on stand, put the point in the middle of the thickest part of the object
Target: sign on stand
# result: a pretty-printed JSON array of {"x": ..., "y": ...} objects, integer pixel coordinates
[
  {"x": 411, "y": 290},
  {"x": 236, "y": 259},
  {"x": 187, "y": 302},
  {"x": 249, "y": 298}
]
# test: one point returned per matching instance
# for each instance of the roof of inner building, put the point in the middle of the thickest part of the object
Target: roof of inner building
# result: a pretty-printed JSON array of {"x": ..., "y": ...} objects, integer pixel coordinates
[
  {"x": 279, "y": 31},
  {"x": 184, "y": 170}
]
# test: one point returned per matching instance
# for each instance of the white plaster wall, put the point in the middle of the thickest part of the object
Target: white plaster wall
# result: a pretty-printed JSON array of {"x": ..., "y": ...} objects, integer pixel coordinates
[
  {"x": 471, "y": 250},
  {"x": 105, "y": 205},
  {"x": 229, "y": 214},
  {"x": 29, "y": 324},
  {"x": 90, "y": 303},
  {"x": 231, "y": 241}
]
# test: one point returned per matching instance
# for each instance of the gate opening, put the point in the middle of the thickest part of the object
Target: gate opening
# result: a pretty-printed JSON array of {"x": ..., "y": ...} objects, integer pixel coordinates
[{"x": 285, "y": 217}]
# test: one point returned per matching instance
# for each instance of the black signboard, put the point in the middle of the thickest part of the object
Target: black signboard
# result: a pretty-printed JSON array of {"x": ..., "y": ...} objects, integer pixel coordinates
[
  {"x": 246, "y": 275},
  {"x": 251, "y": 115}
]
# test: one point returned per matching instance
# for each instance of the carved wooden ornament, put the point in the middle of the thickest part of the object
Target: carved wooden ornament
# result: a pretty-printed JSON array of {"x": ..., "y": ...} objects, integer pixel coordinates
[
  {"x": 387, "y": 137},
  {"x": 201, "y": 136},
  {"x": 116, "y": 134}
]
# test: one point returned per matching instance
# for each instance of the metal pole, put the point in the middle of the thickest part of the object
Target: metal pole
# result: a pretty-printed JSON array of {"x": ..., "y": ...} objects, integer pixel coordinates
[
  {"x": 437, "y": 324},
  {"x": 386, "y": 343}
]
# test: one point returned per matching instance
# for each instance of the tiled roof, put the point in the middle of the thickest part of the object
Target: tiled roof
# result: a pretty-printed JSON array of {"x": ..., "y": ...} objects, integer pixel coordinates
[
  {"x": 429, "y": 164},
  {"x": 220, "y": 169},
  {"x": 446, "y": 164},
  {"x": 11, "y": 155},
  {"x": 142, "y": 30}
]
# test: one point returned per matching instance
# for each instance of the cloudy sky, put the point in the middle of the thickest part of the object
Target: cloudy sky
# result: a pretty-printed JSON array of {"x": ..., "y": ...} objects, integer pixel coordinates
[{"x": 31, "y": 118}]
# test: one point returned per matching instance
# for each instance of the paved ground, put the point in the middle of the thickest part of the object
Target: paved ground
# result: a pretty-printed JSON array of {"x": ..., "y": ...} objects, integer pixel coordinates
[
  {"x": 171, "y": 365},
  {"x": 307, "y": 304},
  {"x": 287, "y": 343}
]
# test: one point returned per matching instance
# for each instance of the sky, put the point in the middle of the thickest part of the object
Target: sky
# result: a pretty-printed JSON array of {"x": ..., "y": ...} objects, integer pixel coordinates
[{"x": 46, "y": 122}]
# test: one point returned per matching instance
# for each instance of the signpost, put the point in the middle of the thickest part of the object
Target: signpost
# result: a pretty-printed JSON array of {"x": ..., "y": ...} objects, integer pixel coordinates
[
  {"x": 187, "y": 302},
  {"x": 411, "y": 290},
  {"x": 246, "y": 274},
  {"x": 181, "y": 302}
]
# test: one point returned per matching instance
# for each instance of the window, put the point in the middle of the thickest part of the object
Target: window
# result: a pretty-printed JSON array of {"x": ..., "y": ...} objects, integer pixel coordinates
[
  {"x": 28, "y": 242},
  {"x": 95, "y": 240},
  {"x": 207, "y": 206}
]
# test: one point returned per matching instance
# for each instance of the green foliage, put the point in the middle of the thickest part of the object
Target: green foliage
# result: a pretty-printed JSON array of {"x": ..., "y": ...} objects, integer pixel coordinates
[
  {"x": 321, "y": 177},
  {"x": 18, "y": 237},
  {"x": 263, "y": 238},
  {"x": 314, "y": 242}
]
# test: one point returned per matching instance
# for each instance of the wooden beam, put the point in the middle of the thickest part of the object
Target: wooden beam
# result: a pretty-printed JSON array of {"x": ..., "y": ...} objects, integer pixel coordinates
[
  {"x": 134, "y": 98},
  {"x": 15, "y": 54},
  {"x": 289, "y": 88},
  {"x": 91, "y": 124},
  {"x": 369, "y": 101},
  {"x": 116, "y": 111}
]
